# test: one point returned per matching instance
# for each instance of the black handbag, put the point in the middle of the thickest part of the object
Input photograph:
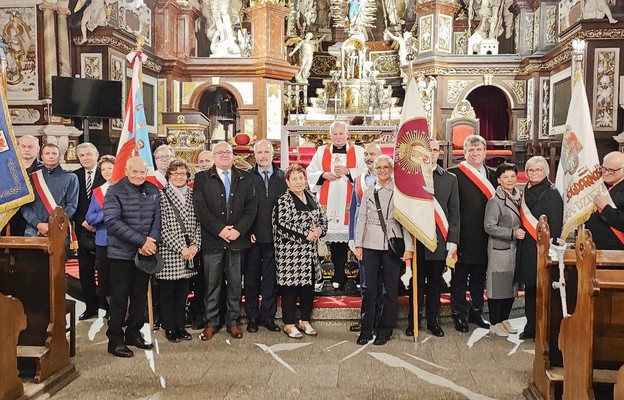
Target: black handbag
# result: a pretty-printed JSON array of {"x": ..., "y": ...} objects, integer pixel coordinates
[{"x": 395, "y": 245}]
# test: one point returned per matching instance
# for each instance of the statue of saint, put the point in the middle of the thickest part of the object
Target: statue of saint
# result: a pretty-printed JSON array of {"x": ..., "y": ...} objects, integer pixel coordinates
[
  {"x": 406, "y": 44},
  {"x": 96, "y": 14},
  {"x": 306, "y": 48},
  {"x": 598, "y": 9},
  {"x": 219, "y": 30}
]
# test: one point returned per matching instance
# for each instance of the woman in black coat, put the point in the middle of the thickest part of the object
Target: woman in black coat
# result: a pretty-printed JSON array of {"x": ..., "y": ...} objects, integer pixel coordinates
[{"x": 541, "y": 198}]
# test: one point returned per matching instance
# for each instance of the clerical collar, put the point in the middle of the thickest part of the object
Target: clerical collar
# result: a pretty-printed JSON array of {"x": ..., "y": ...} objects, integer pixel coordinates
[{"x": 339, "y": 150}]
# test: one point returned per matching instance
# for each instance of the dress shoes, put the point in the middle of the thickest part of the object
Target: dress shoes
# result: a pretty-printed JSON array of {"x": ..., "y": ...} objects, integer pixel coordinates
[
  {"x": 252, "y": 326},
  {"x": 479, "y": 321},
  {"x": 409, "y": 331},
  {"x": 173, "y": 336},
  {"x": 435, "y": 330},
  {"x": 355, "y": 327},
  {"x": 207, "y": 334},
  {"x": 381, "y": 340},
  {"x": 526, "y": 336},
  {"x": 364, "y": 338},
  {"x": 121, "y": 350},
  {"x": 88, "y": 314},
  {"x": 184, "y": 335},
  {"x": 461, "y": 325},
  {"x": 139, "y": 342},
  {"x": 271, "y": 325},
  {"x": 235, "y": 331}
]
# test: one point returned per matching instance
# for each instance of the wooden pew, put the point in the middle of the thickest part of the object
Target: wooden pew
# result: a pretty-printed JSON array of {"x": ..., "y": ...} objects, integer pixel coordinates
[
  {"x": 588, "y": 346},
  {"x": 13, "y": 322},
  {"x": 33, "y": 270}
]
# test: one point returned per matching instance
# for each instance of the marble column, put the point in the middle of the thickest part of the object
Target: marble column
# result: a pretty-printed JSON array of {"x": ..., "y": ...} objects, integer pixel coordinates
[
  {"x": 64, "y": 65},
  {"x": 49, "y": 46}
]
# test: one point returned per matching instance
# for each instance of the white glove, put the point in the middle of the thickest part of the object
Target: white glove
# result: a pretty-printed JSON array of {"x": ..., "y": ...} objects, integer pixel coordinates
[{"x": 451, "y": 248}]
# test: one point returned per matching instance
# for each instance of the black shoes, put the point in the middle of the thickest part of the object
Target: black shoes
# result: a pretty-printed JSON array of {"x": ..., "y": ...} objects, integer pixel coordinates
[
  {"x": 271, "y": 325},
  {"x": 435, "y": 330},
  {"x": 139, "y": 342},
  {"x": 184, "y": 335},
  {"x": 121, "y": 350},
  {"x": 461, "y": 325},
  {"x": 479, "y": 321},
  {"x": 380, "y": 340},
  {"x": 252, "y": 326},
  {"x": 409, "y": 331},
  {"x": 88, "y": 314},
  {"x": 364, "y": 338},
  {"x": 355, "y": 327},
  {"x": 173, "y": 336},
  {"x": 526, "y": 336}
]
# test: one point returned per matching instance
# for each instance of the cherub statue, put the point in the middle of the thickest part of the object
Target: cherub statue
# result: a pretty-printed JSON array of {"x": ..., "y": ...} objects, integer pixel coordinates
[
  {"x": 96, "y": 14},
  {"x": 306, "y": 46},
  {"x": 598, "y": 9},
  {"x": 406, "y": 44}
]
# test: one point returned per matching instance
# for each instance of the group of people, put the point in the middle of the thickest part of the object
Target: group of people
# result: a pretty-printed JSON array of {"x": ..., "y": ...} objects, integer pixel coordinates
[{"x": 215, "y": 229}]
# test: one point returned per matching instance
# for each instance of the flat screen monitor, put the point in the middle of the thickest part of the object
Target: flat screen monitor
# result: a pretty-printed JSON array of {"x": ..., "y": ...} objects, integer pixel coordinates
[{"x": 78, "y": 97}]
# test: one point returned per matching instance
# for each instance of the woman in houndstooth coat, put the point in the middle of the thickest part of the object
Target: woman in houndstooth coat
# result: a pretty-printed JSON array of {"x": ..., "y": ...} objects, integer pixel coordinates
[{"x": 180, "y": 243}]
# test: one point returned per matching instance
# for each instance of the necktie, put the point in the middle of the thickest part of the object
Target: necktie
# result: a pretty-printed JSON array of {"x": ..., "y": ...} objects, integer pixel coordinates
[
  {"x": 266, "y": 182},
  {"x": 226, "y": 183},
  {"x": 89, "y": 183}
]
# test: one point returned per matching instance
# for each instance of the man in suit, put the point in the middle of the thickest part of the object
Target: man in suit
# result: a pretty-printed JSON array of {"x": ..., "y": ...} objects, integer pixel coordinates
[
  {"x": 476, "y": 186},
  {"x": 260, "y": 279},
  {"x": 431, "y": 265},
  {"x": 607, "y": 222},
  {"x": 162, "y": 158},
  {"x": 89, "y": 177},
  {"x": 226, "y": 206}
]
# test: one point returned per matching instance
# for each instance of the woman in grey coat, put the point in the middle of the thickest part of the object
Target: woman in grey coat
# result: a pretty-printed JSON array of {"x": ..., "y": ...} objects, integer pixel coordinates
[{"x": 502, "y": 223}]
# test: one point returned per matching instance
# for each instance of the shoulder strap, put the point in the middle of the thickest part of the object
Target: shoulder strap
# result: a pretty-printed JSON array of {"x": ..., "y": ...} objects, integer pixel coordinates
[{"x": 382, "y": 221}]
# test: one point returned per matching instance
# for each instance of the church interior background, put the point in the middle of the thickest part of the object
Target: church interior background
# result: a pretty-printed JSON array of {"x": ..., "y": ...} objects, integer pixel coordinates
[{"x": 284, "y": 70}]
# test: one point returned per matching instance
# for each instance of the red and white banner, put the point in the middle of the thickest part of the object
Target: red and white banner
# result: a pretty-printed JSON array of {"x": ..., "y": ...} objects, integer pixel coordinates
[
  {"x": 413, "y": 172},
  {"x": 134, "y": 140},
  {"x": 579, "y": 177}
]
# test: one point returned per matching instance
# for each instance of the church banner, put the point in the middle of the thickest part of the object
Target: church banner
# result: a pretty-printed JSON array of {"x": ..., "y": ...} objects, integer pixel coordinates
[
  {"x": 579, "y": 177},
  {"x": 15, "y": 188},
  {"x": 413, "y": 172}
]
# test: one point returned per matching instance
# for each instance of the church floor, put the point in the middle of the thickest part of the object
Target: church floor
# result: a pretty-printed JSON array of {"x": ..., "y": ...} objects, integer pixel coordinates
[{"x": 268, "y": 365}]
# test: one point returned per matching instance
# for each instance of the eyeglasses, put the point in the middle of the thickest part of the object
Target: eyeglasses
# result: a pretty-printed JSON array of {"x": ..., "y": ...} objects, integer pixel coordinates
[
  {"x": 609, "y": 170},
  {"x": 164, "y": 158},
  {"x": 222, "y": 153},
  {"x": 535, "y": 170},
  {"x": 178, "y": 174}
]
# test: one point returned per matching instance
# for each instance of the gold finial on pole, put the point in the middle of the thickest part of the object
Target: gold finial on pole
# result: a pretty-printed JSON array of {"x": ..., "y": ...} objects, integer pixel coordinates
[{"x": 142, "y": 37}]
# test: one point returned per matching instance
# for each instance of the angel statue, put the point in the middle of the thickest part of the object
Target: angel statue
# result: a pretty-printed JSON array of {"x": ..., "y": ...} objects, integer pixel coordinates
[
  {"x": 356, "y": 15},
  {"x": 407, "y": 45},
  {"x": 598, "y": 9},
  {"x": 220, "y": 15},
  {"x": 97, "y": 13},
  {"x": 306, "y": 47}
]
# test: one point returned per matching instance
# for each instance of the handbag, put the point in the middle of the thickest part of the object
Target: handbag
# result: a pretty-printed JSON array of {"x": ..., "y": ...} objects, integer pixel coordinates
[
  {"x": 189, "y": 264},
  {"x": 395, "y": 245}
]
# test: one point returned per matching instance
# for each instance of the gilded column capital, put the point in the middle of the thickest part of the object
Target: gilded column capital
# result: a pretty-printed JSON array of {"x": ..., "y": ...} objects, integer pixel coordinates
[{"x": 46, "y": 5}]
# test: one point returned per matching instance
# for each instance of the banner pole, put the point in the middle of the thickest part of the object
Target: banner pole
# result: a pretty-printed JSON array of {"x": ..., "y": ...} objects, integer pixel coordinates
[{"x": 415, "y": 291}]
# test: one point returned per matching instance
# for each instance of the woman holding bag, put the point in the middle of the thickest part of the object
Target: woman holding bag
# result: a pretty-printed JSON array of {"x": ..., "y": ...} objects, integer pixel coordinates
[{"x": 381, "y": 243}]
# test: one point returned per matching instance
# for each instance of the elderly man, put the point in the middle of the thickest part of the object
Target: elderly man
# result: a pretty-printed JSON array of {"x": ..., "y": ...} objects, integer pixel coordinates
[
  {"x": 132, "y": 218},
  {"x": 476, "y": 186},
  {"x": 162, "y": 158},
  {"x": 205, "y": 160},
  {"x": 260, "y": 279},
  {"x": 89, "y": 177},
  {"x": 607, "y": 223},
  {"x": 226, "y": 206},
  {"x": 53, "y": 187},
  {"x": 331, "y": 174}
]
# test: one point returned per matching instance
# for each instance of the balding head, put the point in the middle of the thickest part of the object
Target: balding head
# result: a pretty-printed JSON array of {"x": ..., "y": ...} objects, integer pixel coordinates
[
  {"x": 612, "y": 165},
  {"x": 371, "y": 152},
  {"x": 136, "y": 170},
  {"x": 28, "y": 148}
]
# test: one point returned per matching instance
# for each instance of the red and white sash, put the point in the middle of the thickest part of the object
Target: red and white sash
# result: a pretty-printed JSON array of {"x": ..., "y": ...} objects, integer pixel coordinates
[
  {"x": 160, "y": 180},
  {"x": 478, "y": 179},
  {"x": 360, "y": 186},
  {"x": 442, "y": 223},
  {"x": 99, "y": 193},
  {"x": 528, "y": 220},
  {"x": 327, "y": 167}
]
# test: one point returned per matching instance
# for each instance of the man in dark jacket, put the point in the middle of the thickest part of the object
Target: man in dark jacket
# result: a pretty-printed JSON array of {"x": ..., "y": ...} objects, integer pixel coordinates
[
  {"x": 226, "y": 206},
  {"x": 132, "y": 217},
  {"x": 476, "y": 186},
  {"x": 607, "y": 222},
  {"x": 89, "y": 178},
  {"x": 270, "y": 184}
]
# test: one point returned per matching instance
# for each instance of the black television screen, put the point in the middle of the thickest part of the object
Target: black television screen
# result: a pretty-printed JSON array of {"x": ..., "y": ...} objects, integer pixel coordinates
[{"x": 77, "y": 97}]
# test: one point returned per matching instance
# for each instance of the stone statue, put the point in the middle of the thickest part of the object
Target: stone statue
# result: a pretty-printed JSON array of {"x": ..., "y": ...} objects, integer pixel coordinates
[
  {"x": 393, "y": 12},
  {"x": 96, "y": 14},
  {"x": 598, "y": 9},
  {"x": 18, "y": 41},
  {"x": 322, "y": 13},
  {"x": 306, "y": 48},
  {"x": 219, "y": 30},
  {"x": 406, "y": 44}
]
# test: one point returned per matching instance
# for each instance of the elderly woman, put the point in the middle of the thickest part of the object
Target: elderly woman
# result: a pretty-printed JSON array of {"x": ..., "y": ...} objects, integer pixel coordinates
[
  {"x": 181, "y": 240},
  {"x": 375, "y": 227},
  {"x": 502, "y": 223},
  {"x": 540, "y": 198},
  {"x": 298, "y": 223},
  {"x": 95, "y": 218}
]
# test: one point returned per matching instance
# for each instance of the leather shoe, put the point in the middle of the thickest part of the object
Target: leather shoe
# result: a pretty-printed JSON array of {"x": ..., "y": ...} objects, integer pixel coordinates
[
  {"x": 272, "y": 326},
  {"x": 184, "y": 335},
  {"x": 173, "y": 336},
  {"x": 380, "y": 340},
  {"x": 140, "y": 343},
  {"x": 252, "y": 326},
  {"x": 355, "y": 327},
  {"x": 526, "y": 336},
  {"x": 461, "y": 325},
  {"x": 364, "y": 338},
  {"x": 479, "y": 321},
  {"x": 435, "y": 330},
  {"x": 121, "y": 350},
  {"x": 207, "y": 334},
  {"x": 409, "y": 331},
  {"x": 88, "y": 314},
  {"x": 235, "y": 331}
]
